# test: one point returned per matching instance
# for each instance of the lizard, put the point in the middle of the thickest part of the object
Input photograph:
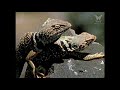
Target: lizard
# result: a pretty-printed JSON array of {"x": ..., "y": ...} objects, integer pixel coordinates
[
  {"x": 78, "y": 43},
  {"x": 50, "y": 31},
  {"x": 64, "y": 47}
]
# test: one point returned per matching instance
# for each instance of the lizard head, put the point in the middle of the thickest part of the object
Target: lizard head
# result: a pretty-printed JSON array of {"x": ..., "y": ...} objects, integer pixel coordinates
[
  {"x": 81, "y": 41},
  {"x": 52, "y": 29}
]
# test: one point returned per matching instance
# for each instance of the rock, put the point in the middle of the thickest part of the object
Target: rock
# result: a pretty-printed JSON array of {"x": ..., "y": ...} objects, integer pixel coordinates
[{"x": 81, "y": 69}]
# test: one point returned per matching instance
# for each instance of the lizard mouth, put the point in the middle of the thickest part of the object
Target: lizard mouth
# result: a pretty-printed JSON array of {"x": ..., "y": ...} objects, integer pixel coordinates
[{"x": 86, "y": 44}]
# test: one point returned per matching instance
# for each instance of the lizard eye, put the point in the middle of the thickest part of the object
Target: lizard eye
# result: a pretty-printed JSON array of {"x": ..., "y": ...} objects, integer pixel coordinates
[
  {"x": 56, "y": 26},
  {"x": 89, "y": 41}
]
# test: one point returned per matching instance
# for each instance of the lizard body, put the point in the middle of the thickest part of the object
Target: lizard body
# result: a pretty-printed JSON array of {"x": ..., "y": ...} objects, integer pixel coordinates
[
  {"x": 64, "y": 47},
  {"x": 50, "y": 32}
]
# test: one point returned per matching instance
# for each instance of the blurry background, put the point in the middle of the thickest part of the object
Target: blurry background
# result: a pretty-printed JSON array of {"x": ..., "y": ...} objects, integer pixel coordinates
[{"x": 91, "y": 22}]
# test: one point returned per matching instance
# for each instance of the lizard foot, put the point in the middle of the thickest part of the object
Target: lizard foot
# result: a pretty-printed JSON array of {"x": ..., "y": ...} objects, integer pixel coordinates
[{"x": 40, "y": 75}]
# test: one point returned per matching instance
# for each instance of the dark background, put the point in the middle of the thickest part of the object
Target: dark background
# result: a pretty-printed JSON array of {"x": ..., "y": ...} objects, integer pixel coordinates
[{"x": 84, "y": 5}]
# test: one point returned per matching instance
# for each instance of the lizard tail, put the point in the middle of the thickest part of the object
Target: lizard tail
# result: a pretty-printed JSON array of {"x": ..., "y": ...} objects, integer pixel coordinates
[
  {"x": 19, "y": 67},
  {"x": 20, "y": 60},
  {"x": 22, "y": 50}
]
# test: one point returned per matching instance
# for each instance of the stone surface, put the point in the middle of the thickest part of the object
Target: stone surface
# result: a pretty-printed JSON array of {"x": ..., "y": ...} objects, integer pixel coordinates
[{"x": 81, "y": 69}]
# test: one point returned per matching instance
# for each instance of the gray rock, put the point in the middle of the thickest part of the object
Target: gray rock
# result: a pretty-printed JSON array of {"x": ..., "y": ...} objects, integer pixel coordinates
[{"x": 81, "y": 69}]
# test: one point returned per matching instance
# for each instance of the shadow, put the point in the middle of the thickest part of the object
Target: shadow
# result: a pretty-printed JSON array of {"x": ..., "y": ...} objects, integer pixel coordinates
[{"x": 79, "y": 29}]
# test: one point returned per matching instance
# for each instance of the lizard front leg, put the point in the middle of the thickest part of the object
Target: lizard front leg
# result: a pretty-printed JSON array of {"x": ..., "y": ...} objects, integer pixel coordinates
[
  {"x": 85, "y": 56},
  {"x": 32, "y": 65},
  {"x": 94, "y": 56},
  {"x": 29, "y": 57}
]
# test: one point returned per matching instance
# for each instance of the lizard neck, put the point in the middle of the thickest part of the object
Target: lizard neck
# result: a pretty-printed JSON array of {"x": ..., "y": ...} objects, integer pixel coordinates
[{"x": 37, "y": 42}]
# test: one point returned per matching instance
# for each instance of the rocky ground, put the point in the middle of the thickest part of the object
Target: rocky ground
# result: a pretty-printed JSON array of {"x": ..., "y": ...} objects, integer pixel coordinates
[{"x": 81, "y": 69}]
